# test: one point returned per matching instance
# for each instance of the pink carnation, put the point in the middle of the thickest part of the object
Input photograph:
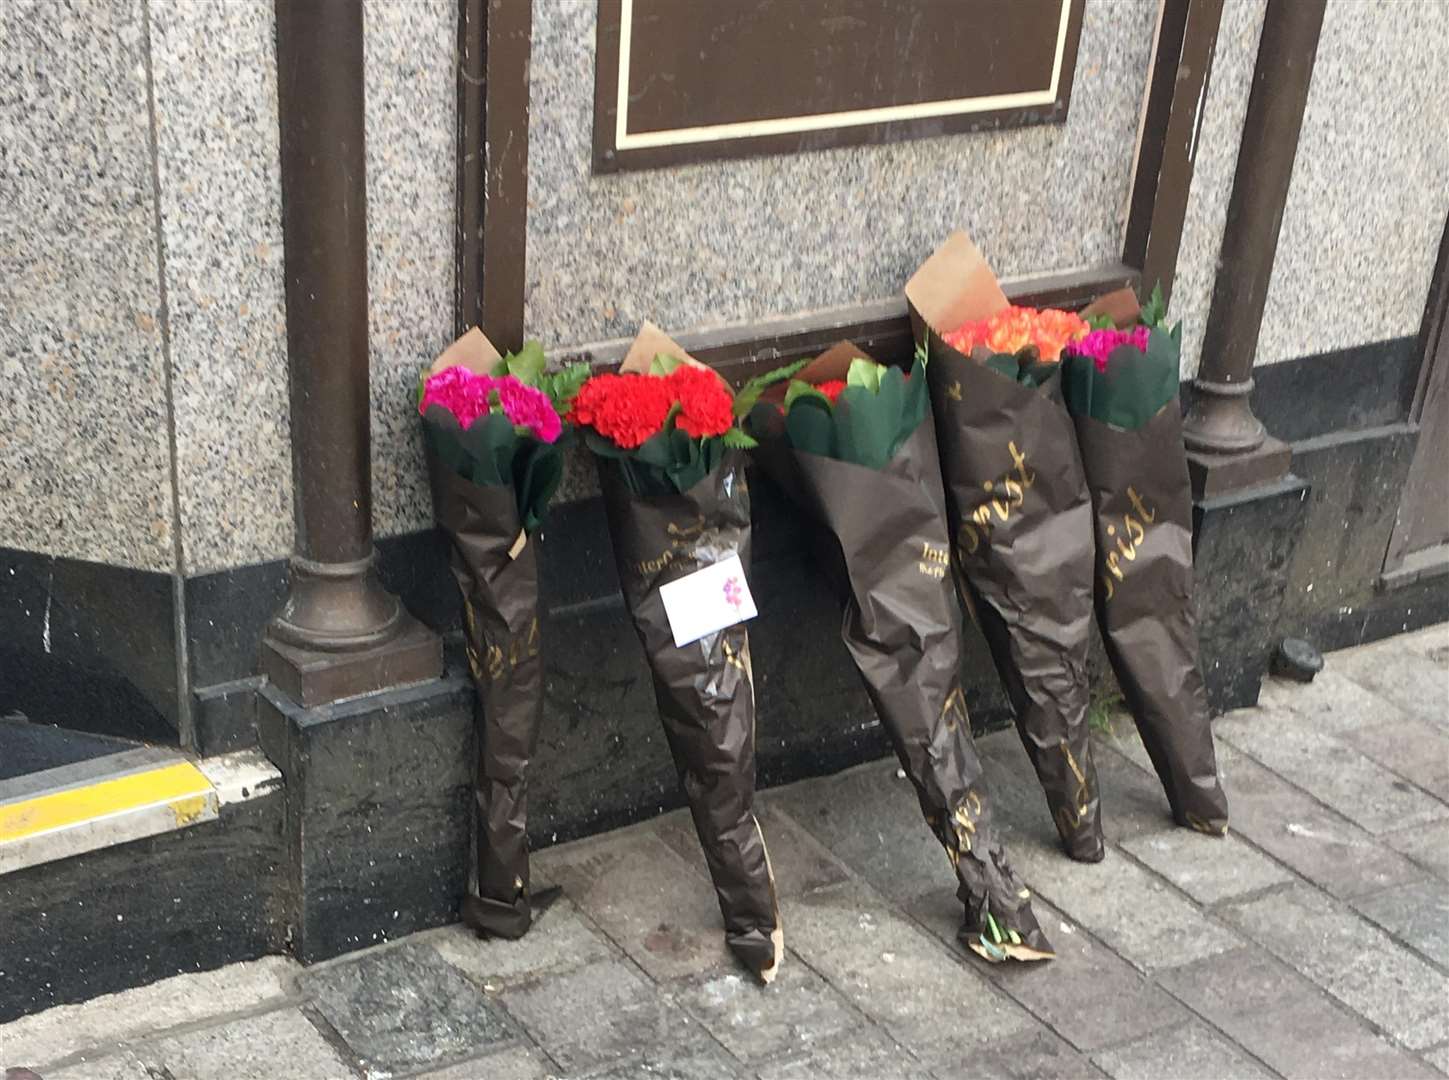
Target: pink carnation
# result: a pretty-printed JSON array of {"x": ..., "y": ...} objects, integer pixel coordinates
[
  {"x": 460, "y": 391},
  {"x": 1100, "y": 344},
  {"x": 468, "y": 395},
  {"x": 528, "y": 406}
]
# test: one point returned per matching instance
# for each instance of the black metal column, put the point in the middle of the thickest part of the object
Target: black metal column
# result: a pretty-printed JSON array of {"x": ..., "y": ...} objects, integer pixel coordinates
[
  {"x": 1228, "y": 447},
  {"x": 339, "y": 633}
]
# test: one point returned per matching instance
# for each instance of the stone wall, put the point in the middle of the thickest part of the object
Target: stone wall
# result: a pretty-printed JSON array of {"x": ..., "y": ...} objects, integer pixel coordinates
[
  {"x": 728, "y": 242},
  {"x": 143, "y": 338}
]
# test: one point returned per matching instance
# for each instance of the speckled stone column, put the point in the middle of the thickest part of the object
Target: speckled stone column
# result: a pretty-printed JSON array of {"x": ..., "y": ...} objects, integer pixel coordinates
[{"x": 339, "y": 633}]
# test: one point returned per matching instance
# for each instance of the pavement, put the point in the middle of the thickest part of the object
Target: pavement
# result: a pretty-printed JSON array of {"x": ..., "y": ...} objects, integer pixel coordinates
[{"x": 1312, "y": 942}]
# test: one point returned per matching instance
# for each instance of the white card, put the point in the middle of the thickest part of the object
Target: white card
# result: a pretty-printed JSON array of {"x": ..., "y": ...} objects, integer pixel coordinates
[{"x": 707, "y": 600}]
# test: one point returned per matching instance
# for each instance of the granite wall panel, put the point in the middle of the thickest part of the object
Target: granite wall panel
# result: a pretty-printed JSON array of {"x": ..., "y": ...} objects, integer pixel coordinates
[
  {"x": 412, "y": 94},
  {"x": 733, "y": 241},
  {"x": 1215, "y": 161},
  {"x": 216, "y": 141},
  {"x": 85, "y": 466},
  {"x": 1370, "y": 186}
]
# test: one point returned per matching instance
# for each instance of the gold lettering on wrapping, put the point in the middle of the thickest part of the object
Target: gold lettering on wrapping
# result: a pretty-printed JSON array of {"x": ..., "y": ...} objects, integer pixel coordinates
[
  {"x": 1069, "y": 817},
  {"x": 968, "y": 812},
  {"x": 732, "y": 656},
  {"x": 954, "y": 710},
  {"x": 954, "y": 391},
  {"x": 935, "y": 560},
  {"x": 1004, "y": 496},
  {"x": 520, "y": 648},
  {"x": 1135, "y": 528}
]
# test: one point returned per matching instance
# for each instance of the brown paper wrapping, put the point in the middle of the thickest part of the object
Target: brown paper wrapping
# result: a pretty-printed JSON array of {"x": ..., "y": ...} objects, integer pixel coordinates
[
  {"x": 1021, "y": 520},
  {"x": 704, "y": 690},
  {"x": 499, "y": 583},
  {"x": 1142, "y": 508},
  {"x": 902, "y": 627}
]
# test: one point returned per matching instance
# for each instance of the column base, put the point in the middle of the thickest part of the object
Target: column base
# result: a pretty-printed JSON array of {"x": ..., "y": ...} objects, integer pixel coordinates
[
  {"x": 1216, "y": 474},
  {"x": 311, "y": 677}
]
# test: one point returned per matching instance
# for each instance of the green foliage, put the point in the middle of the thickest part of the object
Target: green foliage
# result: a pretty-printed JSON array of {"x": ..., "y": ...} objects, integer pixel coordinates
[
  {"x": 562, "y": 386},
  {"x": 1134, "y": 388},
  {"x": 879, "y": 409},
  {"x": 1155, "y": 310},
  {"x": 664, "y": 364},
  {"x": 1101, "y": 322},
  {"x": 492, "y": 452},
  {"x": 864, "y": 373},
  {"x": 1099, "y": 713},
  {"x": 530, "y": 366},
  {"x": 750, "y": 393}
]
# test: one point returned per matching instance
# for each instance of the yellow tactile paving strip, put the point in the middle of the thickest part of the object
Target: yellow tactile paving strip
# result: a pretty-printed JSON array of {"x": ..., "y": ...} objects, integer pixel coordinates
[{"x": 180, "y": 786}]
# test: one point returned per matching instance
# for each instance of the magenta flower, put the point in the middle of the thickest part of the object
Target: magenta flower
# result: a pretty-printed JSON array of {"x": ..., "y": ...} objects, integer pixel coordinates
[
  {"x": 460, "y": 391},
  {"x": 1100, "y": 344},
  {"x": 529, "y": 407},
  {"x": 468, "y": 395}
]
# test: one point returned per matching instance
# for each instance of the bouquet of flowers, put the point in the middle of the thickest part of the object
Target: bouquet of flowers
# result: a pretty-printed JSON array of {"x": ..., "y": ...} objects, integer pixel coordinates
[
  {"x": 669, "y": 451},
  {"x": 1121, "y": 389},
  {"x": 1018, "y": 510},
  {"x": 854, "y": 440},
  {"x": 494, "y": 432}
]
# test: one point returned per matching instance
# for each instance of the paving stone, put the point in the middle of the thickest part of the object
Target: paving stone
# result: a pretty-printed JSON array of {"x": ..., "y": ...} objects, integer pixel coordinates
[
  {"x": 1417, "y": 751},
  {"x": 1209, "y": 869},
  {"x": 560, "y": 938},
  {"x": 1332, "y": 771},
  {"x": 644, "y": 897},
  {"x": 119, "y": 1066},
  {"x": 1133, "y": 803},
  {"x": 1409, "y": 679},
  {"x": 1416, "y": 914},
  {"x": 922, "y": 993},
  {"x": 598, "y": 1014},
  {"x": 752, "y": 1021},
  {"x": 1297, "y": 830},
  {"x": 66, "y": 1030},
  {"x": 1331, "y": 704},
  {"x": 1430, "y": 640},
  {"x": 871, "y": 820},
  {"x": 866, "y": 1053},
  {"x": 1353, "y": 960},
  {"x": 1040, "y": 1056},
  {"x": 1439, "y": 1059},
  {"x": 1428, "y": 846},
  {"x": 254, "y": 1048},
  {"x": 1191, "y": 1051},
  {"x": 405, "y": 1008},
  {"x": 515, "y": 1063},
  {"x": 695, "y": 1059},
  {"x": 1132, "y": 911},
  {"x": 1282, "y": 1020},
  {"x": 1087, "y": 995},
  {"x": 799, "y": 861}
]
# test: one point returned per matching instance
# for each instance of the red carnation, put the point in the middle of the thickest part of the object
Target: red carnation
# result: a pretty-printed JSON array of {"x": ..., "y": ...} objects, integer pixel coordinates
[
  {"x": 706, "y": 407},
  {"x": 831, "y": 388}
]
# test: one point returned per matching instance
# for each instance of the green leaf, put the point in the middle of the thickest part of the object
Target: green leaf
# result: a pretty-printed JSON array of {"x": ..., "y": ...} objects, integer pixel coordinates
[
  {"x": 422, "y": 388},
  {"x": 750, "y": 393},
  {"x": 736, "y": 439},
  {"x": 1155, "y": 310},
  {"x": 864, "y": 373},
  {"x": 996, "y": 935},
  {"x": 664, "y": 364},
  {"x": 1101, "y": 322},
  {"x": 923, "y": 352},
  {"x": 562, "y": 386},
  {"x": 528, "y": 364},
  {"x": 798, "y": 389}
]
